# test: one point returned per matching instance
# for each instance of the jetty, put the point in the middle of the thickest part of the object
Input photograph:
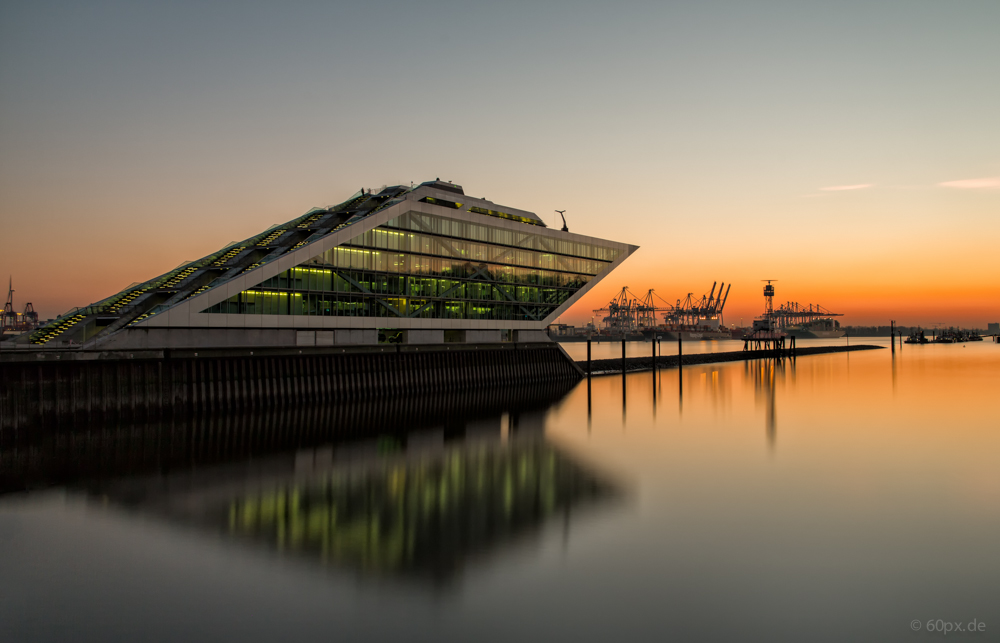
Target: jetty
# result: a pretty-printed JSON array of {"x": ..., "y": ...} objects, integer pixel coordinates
[{"x": 637, "y": 364}]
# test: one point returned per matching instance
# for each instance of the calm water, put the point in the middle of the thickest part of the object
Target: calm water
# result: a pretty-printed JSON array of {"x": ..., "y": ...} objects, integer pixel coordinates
[{"x": 832, "y": 498}]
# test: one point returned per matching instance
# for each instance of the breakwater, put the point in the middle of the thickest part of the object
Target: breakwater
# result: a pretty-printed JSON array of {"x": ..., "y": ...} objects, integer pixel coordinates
[
  {"x": 39, "y": 389},
  {"x": 608, "y": 366}
]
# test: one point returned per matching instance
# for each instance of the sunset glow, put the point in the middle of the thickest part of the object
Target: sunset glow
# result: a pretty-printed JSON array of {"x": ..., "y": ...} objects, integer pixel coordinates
[{"x": 125, "y": 156}]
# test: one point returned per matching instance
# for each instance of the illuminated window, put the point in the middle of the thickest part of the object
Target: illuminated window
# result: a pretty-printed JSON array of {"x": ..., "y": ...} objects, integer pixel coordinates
[{"x": 426, "y": 266}]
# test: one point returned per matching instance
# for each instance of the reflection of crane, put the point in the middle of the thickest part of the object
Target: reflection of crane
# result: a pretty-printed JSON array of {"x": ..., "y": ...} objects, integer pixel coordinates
[{"x": 562, "y": 214}]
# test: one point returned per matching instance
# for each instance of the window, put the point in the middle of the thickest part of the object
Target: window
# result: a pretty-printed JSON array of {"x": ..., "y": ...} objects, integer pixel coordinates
[{"x": 429, "y": 266}]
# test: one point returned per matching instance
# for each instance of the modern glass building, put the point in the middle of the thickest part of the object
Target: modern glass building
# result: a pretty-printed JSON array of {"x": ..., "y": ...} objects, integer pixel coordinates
[{"x": 424, "y": 264}]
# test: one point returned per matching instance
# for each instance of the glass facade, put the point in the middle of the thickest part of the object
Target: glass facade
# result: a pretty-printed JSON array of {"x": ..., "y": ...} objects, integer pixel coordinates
[{"x": 425, "y": 266}]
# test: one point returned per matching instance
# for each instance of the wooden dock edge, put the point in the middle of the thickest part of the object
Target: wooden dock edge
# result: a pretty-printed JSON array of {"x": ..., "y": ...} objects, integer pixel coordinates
[{"x": 639, "y": 364}]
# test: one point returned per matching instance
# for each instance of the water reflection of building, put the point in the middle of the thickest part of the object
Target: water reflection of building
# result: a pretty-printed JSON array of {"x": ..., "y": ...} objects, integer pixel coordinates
[
  {"x": 421, "y": 514},
  {"x": 409, "y": 487},
  {"x": 415, "y": 507},
  {"x": 81, "y": 452}
]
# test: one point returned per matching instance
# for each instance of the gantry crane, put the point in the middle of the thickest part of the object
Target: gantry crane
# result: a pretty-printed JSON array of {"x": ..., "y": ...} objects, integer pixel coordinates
[{"x": 627, "y": 313}]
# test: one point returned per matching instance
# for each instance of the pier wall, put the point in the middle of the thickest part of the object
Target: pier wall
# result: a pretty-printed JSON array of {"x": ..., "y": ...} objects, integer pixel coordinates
[
  {"x": 113, "y": 447},
  {"x": 47, "y": 388}
]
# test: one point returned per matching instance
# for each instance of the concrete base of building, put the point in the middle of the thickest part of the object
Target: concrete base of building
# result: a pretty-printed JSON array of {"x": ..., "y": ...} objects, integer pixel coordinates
[
  {"x": 220, "y": 338},
  {"x": 46, "y": 388},
  {"x": 423, "y": 336},
  {"x": 339, "y": 337},
  {"x": 486, "y": 336}
]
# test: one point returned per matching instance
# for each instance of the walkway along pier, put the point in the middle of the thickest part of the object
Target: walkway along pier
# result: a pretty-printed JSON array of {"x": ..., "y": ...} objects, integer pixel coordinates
[
  {"x": 45, "y": 388},
  {"x": 636, "y": 364}
]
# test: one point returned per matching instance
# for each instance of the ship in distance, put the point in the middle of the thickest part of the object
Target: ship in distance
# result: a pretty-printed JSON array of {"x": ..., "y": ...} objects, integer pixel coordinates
[
  {"x": 956, "y": 336},
  {"x": 792, "y": 319},
  {"x": 820, "y": 328}
]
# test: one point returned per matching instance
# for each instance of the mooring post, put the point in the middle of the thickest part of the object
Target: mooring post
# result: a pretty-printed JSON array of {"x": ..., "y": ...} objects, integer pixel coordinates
[
  {"x": 680, "y": 351},
  {"x": 892, "y": 336},
  {"x": 654, "y": 352},
  {"x": 588, "y": 357},
  {"x": 623, "y": 353}
]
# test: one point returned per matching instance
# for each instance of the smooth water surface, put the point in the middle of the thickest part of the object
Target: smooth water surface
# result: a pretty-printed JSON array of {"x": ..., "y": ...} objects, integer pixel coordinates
[{"x": 835, "y": 497}]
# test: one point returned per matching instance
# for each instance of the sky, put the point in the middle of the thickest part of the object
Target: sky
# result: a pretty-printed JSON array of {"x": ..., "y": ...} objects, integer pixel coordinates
[{"x": 850, "y": 150}]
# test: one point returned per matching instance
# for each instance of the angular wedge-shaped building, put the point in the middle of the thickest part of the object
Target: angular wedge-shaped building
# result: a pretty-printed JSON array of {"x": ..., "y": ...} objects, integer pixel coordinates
[{"x": 424, "y": 264}]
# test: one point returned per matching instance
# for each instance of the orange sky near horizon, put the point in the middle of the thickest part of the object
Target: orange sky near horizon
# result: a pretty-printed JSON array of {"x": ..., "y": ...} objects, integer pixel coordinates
[{"x": 918, "y": 281}]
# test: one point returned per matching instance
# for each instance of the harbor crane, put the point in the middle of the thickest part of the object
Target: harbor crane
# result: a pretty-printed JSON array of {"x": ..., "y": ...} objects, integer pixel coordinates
[
  {"x": 690, "y": 311},
  {"x": 628, "y": 313},
  {"x": 12, "y": 321}
]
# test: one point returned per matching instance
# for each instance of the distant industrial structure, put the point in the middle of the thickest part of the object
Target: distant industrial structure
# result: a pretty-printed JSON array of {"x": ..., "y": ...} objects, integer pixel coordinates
[
  {"x": 689, "y": 318},
  {"x": 796, "y": 320},
  {"x": 13, "y": 322}
]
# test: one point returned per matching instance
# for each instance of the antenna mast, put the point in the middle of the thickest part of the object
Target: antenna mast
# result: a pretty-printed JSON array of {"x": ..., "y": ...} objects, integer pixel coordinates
[{"x": 561, "y": 213}]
